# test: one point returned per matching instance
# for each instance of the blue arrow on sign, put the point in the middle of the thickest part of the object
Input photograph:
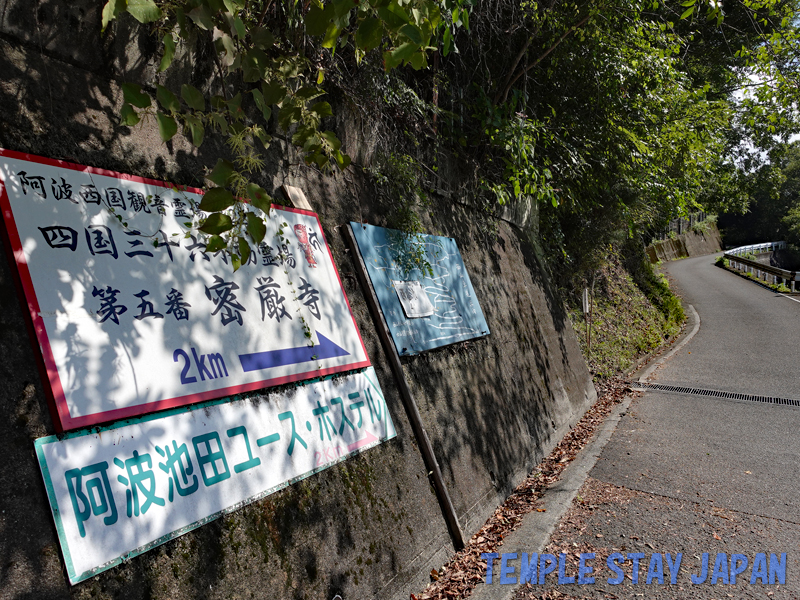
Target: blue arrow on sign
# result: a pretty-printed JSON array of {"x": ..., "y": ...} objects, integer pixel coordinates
[{"x": 291, "y": 356}]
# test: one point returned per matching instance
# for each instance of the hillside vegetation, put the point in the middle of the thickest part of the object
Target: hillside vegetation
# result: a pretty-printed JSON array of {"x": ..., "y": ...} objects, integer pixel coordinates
[
  {"x": 613, "y": 117},
  {"x": 633, "y": 313}
]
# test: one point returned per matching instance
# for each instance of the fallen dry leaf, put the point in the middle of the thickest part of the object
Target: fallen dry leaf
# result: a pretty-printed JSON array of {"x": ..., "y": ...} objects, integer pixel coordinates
[{"x": 466, "y": 569}]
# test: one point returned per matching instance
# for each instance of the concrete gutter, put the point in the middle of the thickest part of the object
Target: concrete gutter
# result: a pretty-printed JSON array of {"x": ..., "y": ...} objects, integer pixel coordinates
[
  {"x": 693, "y": 326},
  {"x": 537, "y": 527}
]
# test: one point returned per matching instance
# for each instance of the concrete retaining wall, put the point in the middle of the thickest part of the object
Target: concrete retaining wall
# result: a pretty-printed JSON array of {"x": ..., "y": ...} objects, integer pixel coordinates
[
  {"x": 686, "y": 244},
  {"x": 367, "y": 528}
]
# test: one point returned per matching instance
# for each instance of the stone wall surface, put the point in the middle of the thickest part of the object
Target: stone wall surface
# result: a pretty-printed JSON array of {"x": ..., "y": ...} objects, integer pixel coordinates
[
  {"x": 367, "y": 528},
  {"x": 692, "y": 243}
]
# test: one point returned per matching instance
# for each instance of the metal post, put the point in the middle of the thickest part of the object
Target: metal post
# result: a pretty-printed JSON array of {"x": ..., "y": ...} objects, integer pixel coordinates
[{"x": 428, "y": 457}]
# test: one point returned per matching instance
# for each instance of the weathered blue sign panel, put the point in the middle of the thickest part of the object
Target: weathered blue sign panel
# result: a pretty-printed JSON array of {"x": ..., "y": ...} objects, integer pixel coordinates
[{"x": 394, "y": 260}]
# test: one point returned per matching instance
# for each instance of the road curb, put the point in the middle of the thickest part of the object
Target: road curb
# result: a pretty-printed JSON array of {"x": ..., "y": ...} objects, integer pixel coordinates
[
  {"x": 537, "y": 527},
  {"x": 692, "y": 327}
]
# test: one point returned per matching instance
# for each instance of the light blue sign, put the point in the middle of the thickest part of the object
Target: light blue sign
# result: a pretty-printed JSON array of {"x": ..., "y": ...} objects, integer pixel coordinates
[{"x": 393, "y": 256}]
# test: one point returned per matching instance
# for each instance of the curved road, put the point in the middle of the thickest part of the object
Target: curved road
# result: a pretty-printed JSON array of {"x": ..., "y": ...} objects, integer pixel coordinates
[
  {"x": 698, "y": 474},
  {"x": 749, "y": 338}
]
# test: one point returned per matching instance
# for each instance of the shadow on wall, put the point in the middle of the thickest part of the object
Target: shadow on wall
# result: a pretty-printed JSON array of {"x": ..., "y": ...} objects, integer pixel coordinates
[
  {"x": 346, "y": 530},
  {"x": 60, "y": 94},
  {"x": 492, "y": 406}
]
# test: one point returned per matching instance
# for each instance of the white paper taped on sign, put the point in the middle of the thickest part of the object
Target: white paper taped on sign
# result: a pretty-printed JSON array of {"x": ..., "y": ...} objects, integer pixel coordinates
[{"x": 413, "y": 299}]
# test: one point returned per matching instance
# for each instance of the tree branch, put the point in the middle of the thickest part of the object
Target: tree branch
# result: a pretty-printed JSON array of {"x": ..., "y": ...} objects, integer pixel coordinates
[
  {"x": 263, "y": 13},
  {"x": 547, "y": 52}
]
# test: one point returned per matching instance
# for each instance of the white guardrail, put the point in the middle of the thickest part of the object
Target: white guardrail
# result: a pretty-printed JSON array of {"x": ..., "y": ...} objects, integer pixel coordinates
[
  {"x": 766, "y": 273},
  {"x": 757, "y": 248}
]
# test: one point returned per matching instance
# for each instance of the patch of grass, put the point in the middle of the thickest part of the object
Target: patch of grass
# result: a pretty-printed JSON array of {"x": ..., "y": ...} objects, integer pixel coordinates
[
  {"x": 634, "y": 313},
  {"x": 779, "y": 287},
  {"x": 703, "y": 227}
]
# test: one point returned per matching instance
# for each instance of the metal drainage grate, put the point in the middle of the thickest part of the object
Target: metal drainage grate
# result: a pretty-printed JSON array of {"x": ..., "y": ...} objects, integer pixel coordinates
[{"x": 661, "y": 387}]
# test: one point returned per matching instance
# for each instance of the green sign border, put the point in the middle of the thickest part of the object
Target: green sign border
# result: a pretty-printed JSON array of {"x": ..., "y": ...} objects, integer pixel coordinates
[{"x": 51, "y": 495}]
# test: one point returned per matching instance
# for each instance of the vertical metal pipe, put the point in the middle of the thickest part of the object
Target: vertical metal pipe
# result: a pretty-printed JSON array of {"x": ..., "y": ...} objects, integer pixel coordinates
[{"x": 431, "y": 464}]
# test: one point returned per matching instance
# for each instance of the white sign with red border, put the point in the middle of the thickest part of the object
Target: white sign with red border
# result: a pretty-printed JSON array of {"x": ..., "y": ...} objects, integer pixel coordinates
[{"x": 133, "y": 315}]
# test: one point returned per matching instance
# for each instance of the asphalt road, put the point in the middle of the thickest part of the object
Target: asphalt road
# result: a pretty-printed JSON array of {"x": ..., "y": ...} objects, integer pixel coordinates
[
  {"x": 749, "y": 338},
  {"x": 697, "y": 474}
]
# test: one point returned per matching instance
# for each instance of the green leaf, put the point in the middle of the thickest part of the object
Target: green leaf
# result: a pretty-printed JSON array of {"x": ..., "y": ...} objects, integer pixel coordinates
[
  {"x": 167, "y": 99},
  {"x": 288, "y": 115},
  {"x": 446, "y": 40},
  {"x": 342, "y": 7},
  {"x": 218, "y": 102},
  {"x": 133, "y": 95},
  {"x": 465, "y": 18},
  {"x": 256, "y": 227},
  {"x": 331, "y": 35},
  {"x": 236, "y": 262},
  {"x": 216, "y": 243},
  {"x": 244, "y": 250},
  {"x": 264, "y": 137},
  {"x": 220, "y": 122},
  {"x": 393, "y": 58},
  {"x": 197, "y": 130},
  {"x": 180, "y": 17},
  {"x": 394, "y": 16},
  {"x": 217, "y": 223},
  {"x": 331, "y": 138},
  {"x": 309, "y": 92},
  {"x": 201, "y": 18},
  {"x": 317, "y": 19},
  {"x": 323, "y": 109},
  {"x": 216, "y": 6},
  {"x": 412, "y": 32},
  {"x": 321, "y": 160},
  {"x": 262, "y": 37},
  {"x": 217, "y": 199},
  {"x": 225, "y": 42},
  {"x": 369, "y": 34},
  {"x": 169, "y": 52},
  {"x": 167, "y": 127},
  {"x": 259, "y": 197},
  {"x": 193, "y": 97},
  {"x": 221, "y": 173},
  {"x": 254, "y": 65},
  {"x": 262, "y": 106},
  {"x": 235, "y": 106},
  {"x": 302, "y": 135},
  {"x": 434, "y": 17},
  {"x": 128, "y": 116},
  {"x": 343, "y": 160},
  {"x": 144, "y": 11},
  {"x": 238, "y": 25},
  {"x": 112, "y": 10},
  {"x": 419, "y": 61},
  {"x": 273, "y": 92},
  {"x": 687, "y": 13},
  {"x": 234, "y": 6}
]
